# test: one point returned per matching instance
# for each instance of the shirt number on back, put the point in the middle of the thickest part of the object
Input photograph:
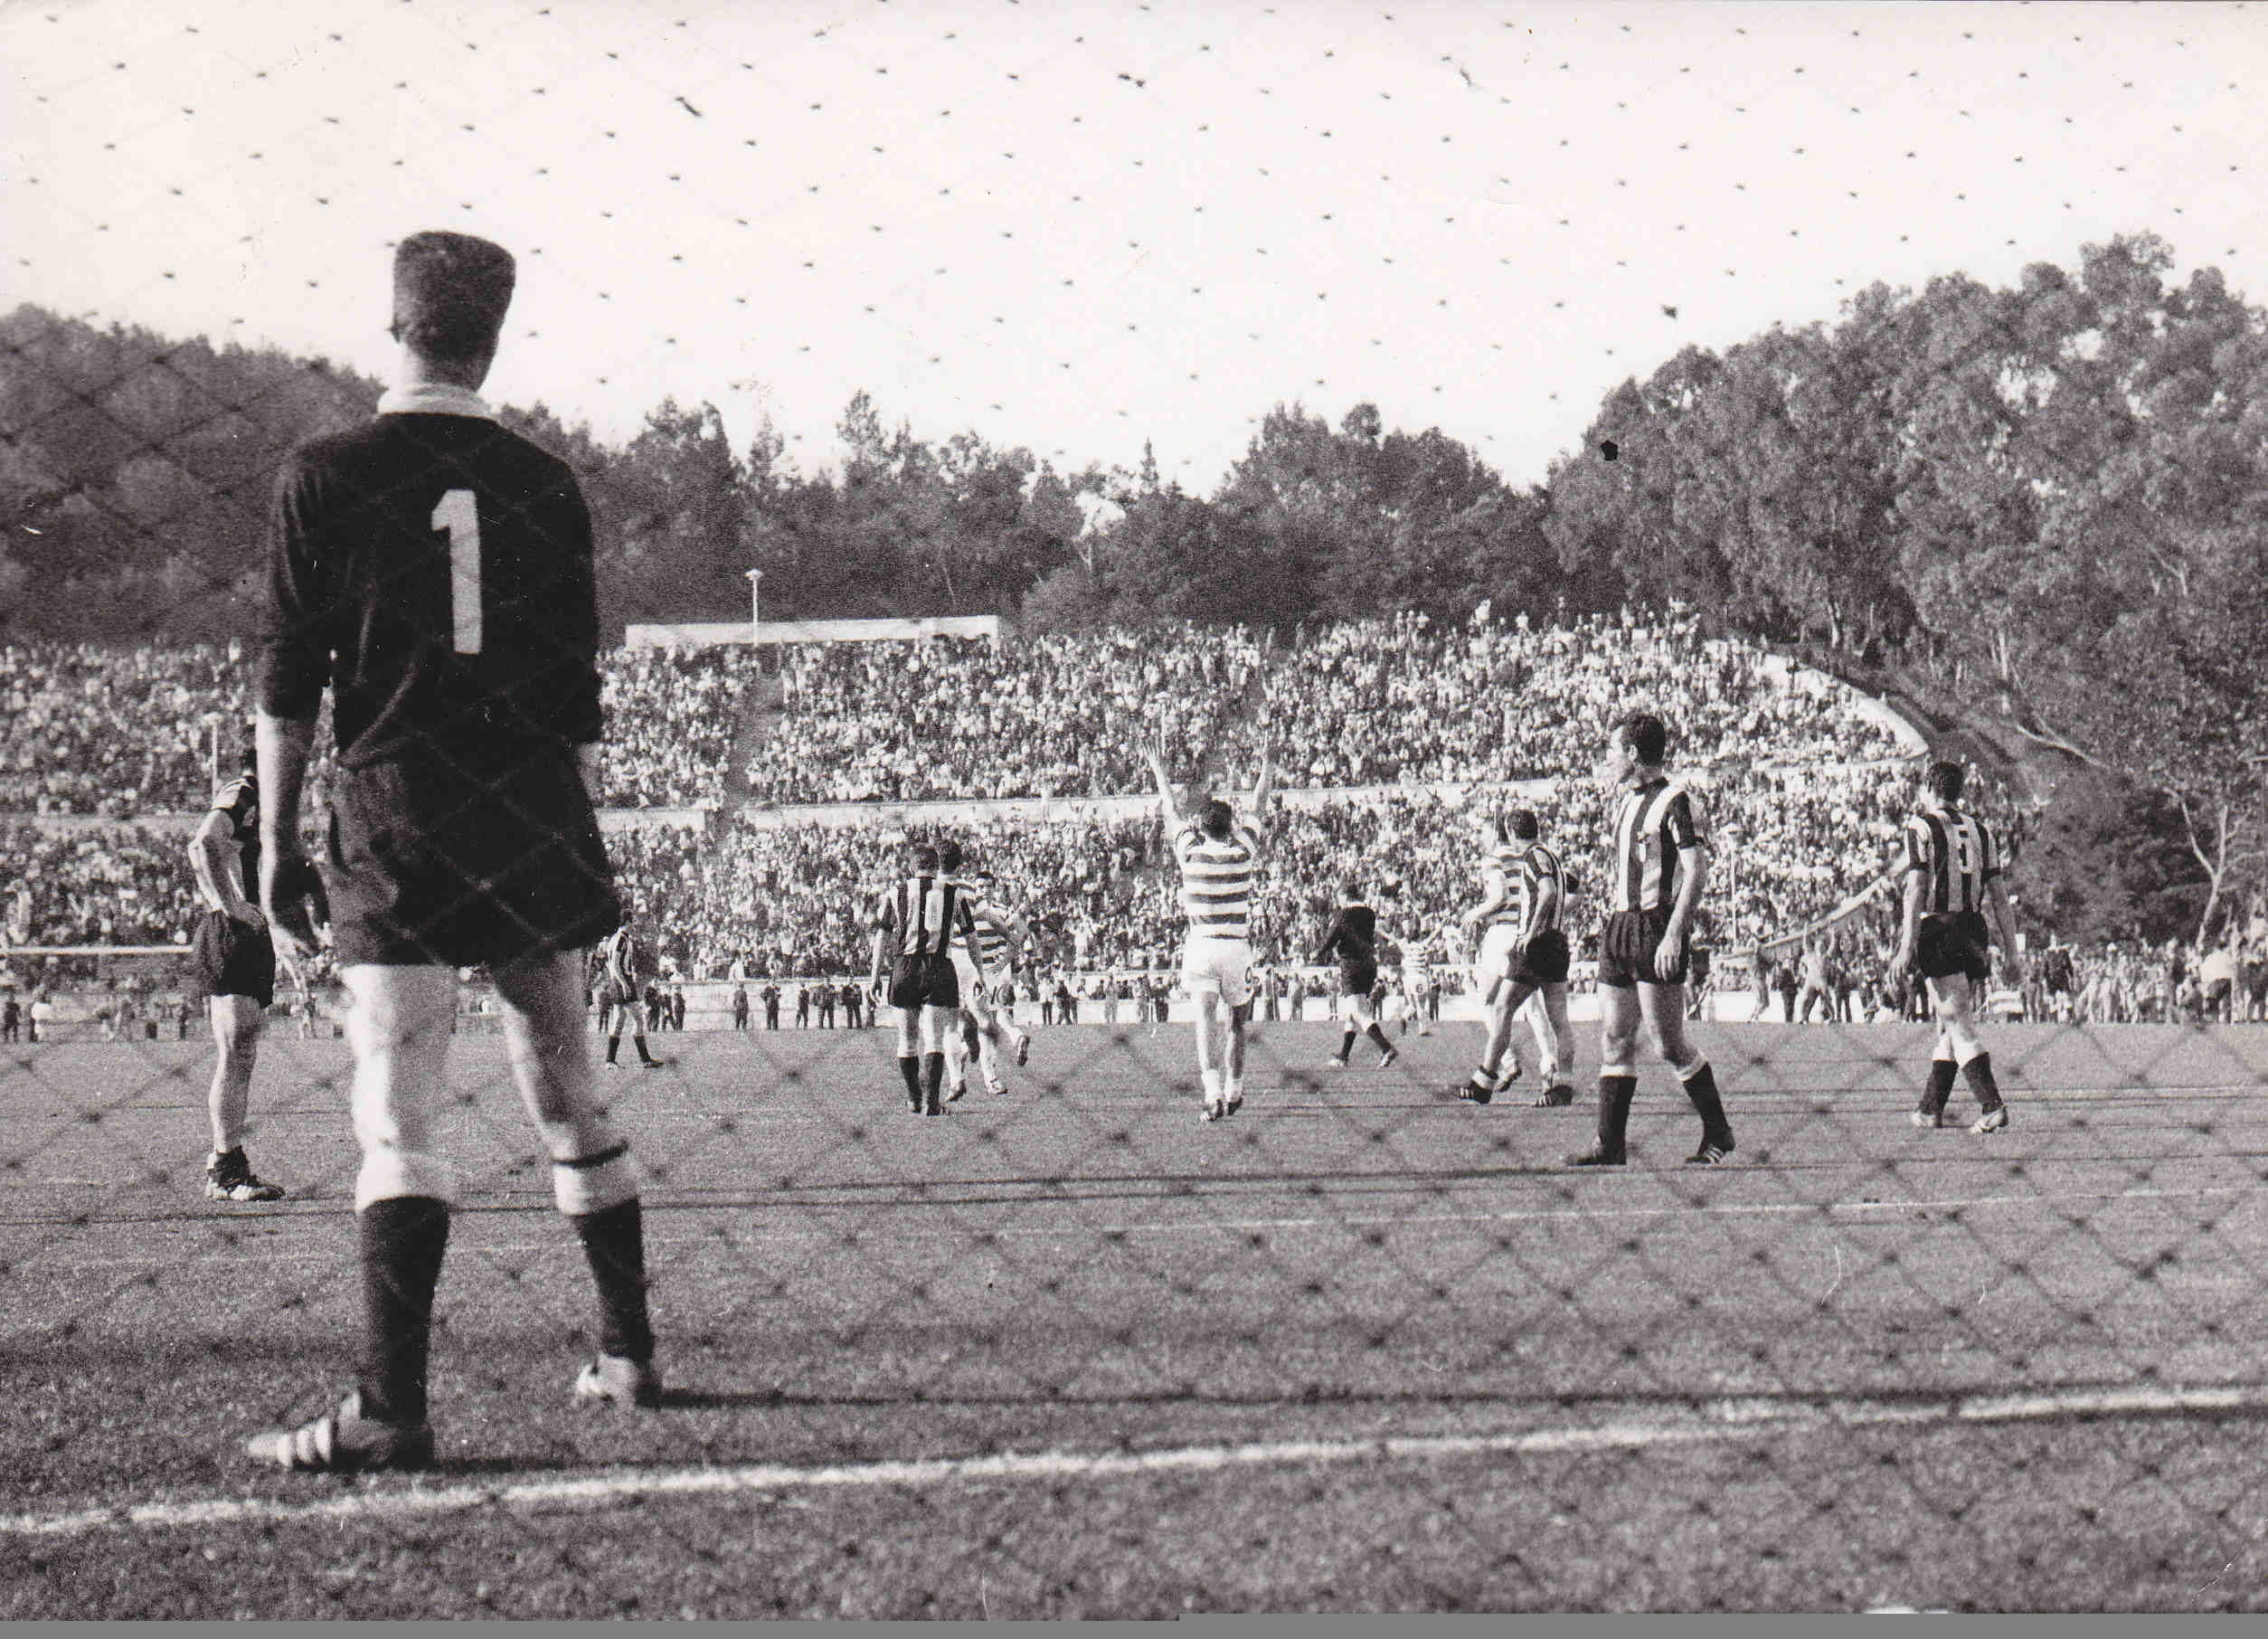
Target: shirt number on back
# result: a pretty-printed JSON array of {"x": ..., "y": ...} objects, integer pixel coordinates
[{"x": 459, "y": 516}]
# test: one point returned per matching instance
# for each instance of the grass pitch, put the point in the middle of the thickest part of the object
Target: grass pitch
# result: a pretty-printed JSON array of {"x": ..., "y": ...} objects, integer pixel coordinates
[{"x": 1069, "y": 1353}]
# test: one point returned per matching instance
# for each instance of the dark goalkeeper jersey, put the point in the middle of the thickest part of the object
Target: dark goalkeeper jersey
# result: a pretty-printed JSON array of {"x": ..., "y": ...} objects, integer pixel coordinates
[{"x": 435, "y": 569}]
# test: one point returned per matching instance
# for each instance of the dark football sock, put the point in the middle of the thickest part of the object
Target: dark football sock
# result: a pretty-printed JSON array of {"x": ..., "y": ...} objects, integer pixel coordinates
[
  {"x": 1379, "y": 1035},
  {"x": 1615, "y": 1093},
  {"x": 614, "y": 1245},
  {"x": 1977, "y": 1074},
  {"x": 614, "y": 1046},
  {"x": 645, "y": 1054},
  {"x": 970, "y": 1041},
  {"x": 910, "y": 1067},
  {"x": 1347, "y": 1043},
  {"x": 1700, "y": 1083},
  {"x": 402, "y": 1240},
  {"x": 1941, "y": 1087},
  {"x": 932, "y": 1076}
]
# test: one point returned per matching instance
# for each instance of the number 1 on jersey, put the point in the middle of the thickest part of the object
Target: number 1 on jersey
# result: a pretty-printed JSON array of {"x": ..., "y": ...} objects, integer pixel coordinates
[{"x": 459, "y": 516}]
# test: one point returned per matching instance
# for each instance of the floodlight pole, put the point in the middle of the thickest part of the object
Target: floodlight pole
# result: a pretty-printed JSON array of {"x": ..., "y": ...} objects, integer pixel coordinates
[{"x": 755, "y": 605}]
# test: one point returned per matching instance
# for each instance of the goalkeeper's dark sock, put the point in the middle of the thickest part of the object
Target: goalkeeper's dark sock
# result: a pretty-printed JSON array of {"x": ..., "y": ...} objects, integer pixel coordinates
[
  {"x": 933, "y": 1078},
  {"x": 910, "y": 1067},
  {"x": 1346, "y": 1045},
  {"x": 1977, "y": 1074},
  {"x": 614, "y": 1245},
  {"x": 614, "y": 1046},
  {"x": 1940, "y": 1088},
  {"x": 403, "y": 1239},
  {"x": 644, "y": 1057},
  {"x": 1379, "y": 1036}
]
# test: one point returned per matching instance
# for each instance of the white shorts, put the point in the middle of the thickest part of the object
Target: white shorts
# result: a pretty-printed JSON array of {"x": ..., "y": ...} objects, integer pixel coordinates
[
  {"x": 1495, "y": 960},
  {"x": 975, "y": 1000},
  {"x": 1218, "y": 967}
]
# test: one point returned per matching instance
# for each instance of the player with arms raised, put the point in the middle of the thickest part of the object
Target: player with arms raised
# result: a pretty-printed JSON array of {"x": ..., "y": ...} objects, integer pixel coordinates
[
  {"x": 1660, "y": 863},
  {"x": 1523, "y": 954},
  {"x": 1220, "y": 857},
  {"x": 434, "y": 571},
  {"x": 1952, "y": 877}
]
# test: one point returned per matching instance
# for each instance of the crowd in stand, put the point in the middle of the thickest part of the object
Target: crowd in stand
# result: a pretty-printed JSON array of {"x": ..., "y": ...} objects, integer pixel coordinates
[
  {"x": 1802, "y": 797},
  {"x": 670, "y": 719}
]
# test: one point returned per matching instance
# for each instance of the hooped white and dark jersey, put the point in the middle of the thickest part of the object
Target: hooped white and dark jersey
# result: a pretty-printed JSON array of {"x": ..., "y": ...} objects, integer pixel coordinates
[{"x": 1219, "y": 876}]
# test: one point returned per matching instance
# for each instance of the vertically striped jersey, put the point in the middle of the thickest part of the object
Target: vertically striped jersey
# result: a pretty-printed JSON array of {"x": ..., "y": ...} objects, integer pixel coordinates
[
  {"x": 925, "y": 914},
  {"x": 1219, "y": 875},
  {"x": 1518, "y": 875},
  {"x": 1655, "y": 821},
  {"x": 1955, "y": 854},
  {"x": 627, "y": 961}
]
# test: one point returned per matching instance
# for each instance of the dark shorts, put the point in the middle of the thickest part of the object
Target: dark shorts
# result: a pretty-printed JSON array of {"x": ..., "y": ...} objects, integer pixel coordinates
[
  {"x": 922, "y": 981},
  {"x": 2218, "y": 991},
  {"x": 1358, "y": 978},
  {"x": 1542, "y": 959},
  {"x": 431, "y": 866},
  {"x": 232, "y": 960},
  {"x": 1626, "y": 951},
  {"x": 614, "y": 996},
  {"x": 1951, "y": 945}
]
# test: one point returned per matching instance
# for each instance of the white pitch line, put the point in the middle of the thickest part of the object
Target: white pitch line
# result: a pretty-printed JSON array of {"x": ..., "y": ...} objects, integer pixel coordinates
[{"x": 1714, "y": 1422}]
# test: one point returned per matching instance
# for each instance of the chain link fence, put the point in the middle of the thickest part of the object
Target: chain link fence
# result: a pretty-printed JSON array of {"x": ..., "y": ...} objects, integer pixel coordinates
[{"x": 1066, "y": 1350}]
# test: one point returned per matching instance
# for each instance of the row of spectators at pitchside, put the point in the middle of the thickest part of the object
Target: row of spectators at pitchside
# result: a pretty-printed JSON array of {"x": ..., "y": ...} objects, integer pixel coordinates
[{"x": 122, "y": 732}]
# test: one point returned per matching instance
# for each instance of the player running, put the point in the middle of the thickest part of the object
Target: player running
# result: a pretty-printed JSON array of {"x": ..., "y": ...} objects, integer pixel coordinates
[
  {"x": 1523, "y": 955},
  {"x": 434, "y": 572},
  {"x": 626, "y": 967},
  {"x": 1220, "y": 857},
  {"x": 997, "y": 933},
  {"x": 1352, "y": 940},
  {"x": 1953, "y": 874},
  {"x": 1660, "y": 862},
  {"x": 235, "y": 972},
  {"x": 917, "y": 922}
]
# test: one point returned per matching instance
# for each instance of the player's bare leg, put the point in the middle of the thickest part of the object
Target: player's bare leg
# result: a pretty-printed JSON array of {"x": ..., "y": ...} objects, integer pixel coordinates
[
  {"x": 1503, "y": 1002},
  {"x": 1212, "y": 1029},
  {"x": 399, "y": 1026},
  {"x": 1663, "y": 1008},
  {"x": 909, "y": 1056},
  {"x": 1619, "y": 1018},
  {"x": 1953, "y": 1000},
  {"x": 1232, "y": 1083},
  {"x": 236, "y": 1024},
  {"x": 594, "y": 1181},
  {"x": 1554, "y": 1045}
]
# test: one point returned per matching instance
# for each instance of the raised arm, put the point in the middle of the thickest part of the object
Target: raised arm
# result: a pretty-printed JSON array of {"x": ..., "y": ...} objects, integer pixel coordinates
[
  {"x": 1267, "y": 786},
  {"x": 1165, "y": 780}
]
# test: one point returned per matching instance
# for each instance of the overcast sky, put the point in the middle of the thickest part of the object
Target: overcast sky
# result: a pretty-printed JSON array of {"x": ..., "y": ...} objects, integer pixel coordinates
[{"x": 1073, "y": 226}]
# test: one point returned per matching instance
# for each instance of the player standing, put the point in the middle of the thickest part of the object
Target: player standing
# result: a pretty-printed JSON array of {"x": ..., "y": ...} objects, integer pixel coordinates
[
  {"x": 626, "y": 968},
  {"x": 1523, "y": 955},
  {"x": 917, "y": 922},
  {"x": 1660, "y": 862},
  {"x": 1952, "y": 875},
  {"x": 235, "y": 971},
  {"x": 995, "y": 934},
  {"x": 1219, "y": 858},
  {"x": 434, "y": 571},
  {"x": 1352, "y": 939}
]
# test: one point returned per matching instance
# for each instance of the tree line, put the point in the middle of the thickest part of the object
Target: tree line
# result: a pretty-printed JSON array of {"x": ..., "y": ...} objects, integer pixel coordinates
[{"x": 2051, "y": 499}]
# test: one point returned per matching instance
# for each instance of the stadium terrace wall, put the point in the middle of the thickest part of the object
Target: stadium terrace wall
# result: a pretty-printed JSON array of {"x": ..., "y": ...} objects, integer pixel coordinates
[{"x": 704, "y": 634}]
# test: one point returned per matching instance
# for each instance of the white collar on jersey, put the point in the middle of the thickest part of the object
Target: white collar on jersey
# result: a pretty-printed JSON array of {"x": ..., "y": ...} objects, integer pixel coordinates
[{"x": 435, "y": 398}]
